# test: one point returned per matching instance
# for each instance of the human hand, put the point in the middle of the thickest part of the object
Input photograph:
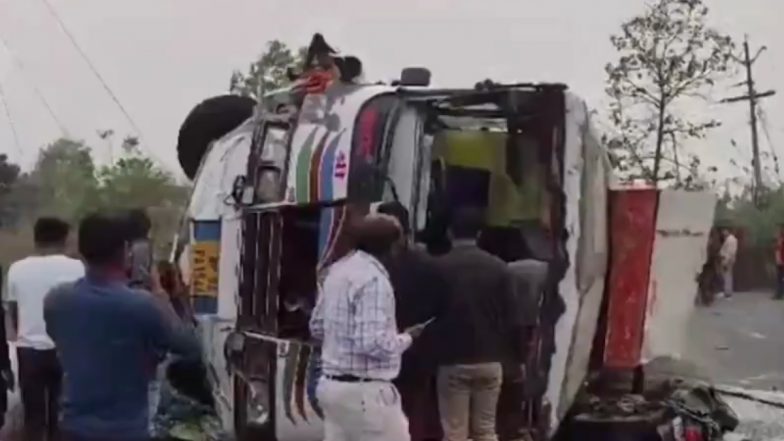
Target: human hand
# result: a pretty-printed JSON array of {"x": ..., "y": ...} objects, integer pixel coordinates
[
  {"x": 416, "y": 330},
  {"x": 155, "y": 283}
]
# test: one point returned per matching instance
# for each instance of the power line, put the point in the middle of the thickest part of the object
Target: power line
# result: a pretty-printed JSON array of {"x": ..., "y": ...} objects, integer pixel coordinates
[
  {"x": 11, "y": 121},
  {"x": 20, "y": 65},
  {"x": 764, "y": 119},
  {"x": 94, "y": 70},
  {"x": 752, "y": 97}
]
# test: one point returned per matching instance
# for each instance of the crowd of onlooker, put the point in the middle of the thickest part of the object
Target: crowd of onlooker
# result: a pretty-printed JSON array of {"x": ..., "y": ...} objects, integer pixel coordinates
[{"x": 92, "y": 332}]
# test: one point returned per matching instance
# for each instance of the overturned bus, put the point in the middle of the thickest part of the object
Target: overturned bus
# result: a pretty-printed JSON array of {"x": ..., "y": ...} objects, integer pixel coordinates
[{"x": 274, "y": 186}]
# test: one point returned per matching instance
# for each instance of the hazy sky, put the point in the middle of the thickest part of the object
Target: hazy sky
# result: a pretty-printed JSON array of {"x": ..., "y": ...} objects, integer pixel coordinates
[{"x": 161, "y": 57}]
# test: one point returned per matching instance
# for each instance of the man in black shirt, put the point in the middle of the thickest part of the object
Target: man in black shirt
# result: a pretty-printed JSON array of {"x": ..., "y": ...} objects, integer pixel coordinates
[
  {"x": 420, "y": 295},
  {"x": 478, "y": 333}
]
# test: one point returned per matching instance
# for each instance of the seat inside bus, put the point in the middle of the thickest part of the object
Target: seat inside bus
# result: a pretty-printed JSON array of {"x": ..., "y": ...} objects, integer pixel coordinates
[{"x": 476, "y": 172}]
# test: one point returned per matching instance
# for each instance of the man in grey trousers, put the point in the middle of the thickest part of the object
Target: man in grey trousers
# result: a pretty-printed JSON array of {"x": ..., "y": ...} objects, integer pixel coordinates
[{"x": 477, "y": 333}]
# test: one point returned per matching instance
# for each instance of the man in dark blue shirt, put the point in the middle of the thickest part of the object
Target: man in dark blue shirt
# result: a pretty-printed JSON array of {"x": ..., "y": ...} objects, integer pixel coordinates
[{"x": 108, "y": 338}]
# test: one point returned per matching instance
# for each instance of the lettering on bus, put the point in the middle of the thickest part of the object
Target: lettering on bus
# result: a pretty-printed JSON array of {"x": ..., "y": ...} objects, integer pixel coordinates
[{"x": 205, "y": 268}]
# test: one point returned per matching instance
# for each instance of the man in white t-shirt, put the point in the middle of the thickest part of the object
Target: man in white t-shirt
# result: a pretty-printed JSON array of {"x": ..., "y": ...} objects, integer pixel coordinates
[
  {"x": 728, "y": 253},
  {"x": 29, "y": 281}
]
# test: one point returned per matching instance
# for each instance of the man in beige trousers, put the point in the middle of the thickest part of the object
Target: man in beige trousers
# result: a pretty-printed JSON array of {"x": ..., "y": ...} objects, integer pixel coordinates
[{"x": 477, "y": 333}]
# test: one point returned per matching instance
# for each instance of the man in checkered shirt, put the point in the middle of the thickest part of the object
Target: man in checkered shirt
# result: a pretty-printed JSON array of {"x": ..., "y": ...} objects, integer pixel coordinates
[{"x": 354, "y": 318}]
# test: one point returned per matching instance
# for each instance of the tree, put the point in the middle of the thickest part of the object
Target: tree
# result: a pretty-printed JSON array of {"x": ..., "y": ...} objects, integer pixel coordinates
[
  {"x": 64, "y": 180},
  {"x": 136, "y": 181},
  {"x": 668, "y": 58},
  {"x": 9, "y": 174},
  {"x": 269, "y": 72}
]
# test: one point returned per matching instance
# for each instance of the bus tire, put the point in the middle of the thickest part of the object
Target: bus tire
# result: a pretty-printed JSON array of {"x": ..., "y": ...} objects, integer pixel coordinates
[{"x": 209, "y": 121}]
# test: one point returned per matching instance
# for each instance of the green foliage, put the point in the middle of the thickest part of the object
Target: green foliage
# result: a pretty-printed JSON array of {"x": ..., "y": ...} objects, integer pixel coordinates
[
  {"x": 269, "y": 72},
  {"x": 759, "y": 221},
  {"x": 63, "y": 180},
  {"x": 66, "y": 183},
  {"x": 666, "y": 56}
]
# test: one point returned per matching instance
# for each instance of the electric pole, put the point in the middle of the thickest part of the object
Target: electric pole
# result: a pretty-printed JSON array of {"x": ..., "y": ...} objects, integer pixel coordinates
[{"x": 752, "y": 97}]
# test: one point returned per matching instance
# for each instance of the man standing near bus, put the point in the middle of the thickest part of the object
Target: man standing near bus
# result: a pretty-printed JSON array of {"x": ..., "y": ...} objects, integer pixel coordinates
[
  {"x": 107, "y": 336},
  {"x": 478, "y": 333},
  {"x": 29, "y": 280},
  {"x": 361, "y": 348},
  {"x": 421, "y": 294}
]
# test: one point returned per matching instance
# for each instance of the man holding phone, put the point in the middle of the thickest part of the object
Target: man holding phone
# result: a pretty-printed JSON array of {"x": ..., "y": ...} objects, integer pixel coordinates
[
  {"x": 421, "y": 296},
  {"x": 354, "y": 318}
]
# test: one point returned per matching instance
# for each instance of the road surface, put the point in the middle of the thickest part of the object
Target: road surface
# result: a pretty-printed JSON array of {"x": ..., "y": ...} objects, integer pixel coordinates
[{"x": 740, "y": 342}]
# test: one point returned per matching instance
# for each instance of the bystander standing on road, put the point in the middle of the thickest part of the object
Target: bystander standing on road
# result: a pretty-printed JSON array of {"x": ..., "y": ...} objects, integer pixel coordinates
[
  {"x": 29, "y": 280},
  {"x": 728, "y": 253},
  {"x": 140, "y": 263},
  {"x": 421, "y": 294},
  {"x": 354, "y": 318},
  {"x": 477, "y": 334},
  {"x": 106, "y": 335},
  {"x": 779, "y": 258},
  {"x": 140, "y": 268}
]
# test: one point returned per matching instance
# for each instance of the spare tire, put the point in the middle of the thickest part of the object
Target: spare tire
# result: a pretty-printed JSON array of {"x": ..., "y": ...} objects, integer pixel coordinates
[{"x": 208, "y": 121}]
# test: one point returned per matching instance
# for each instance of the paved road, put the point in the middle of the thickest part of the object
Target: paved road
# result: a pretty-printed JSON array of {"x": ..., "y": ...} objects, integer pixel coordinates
[{"x": 740, "y": 341}]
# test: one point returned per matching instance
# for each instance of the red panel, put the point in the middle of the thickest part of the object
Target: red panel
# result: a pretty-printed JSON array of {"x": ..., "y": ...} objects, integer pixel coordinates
[{"x": 632, "y": 231}]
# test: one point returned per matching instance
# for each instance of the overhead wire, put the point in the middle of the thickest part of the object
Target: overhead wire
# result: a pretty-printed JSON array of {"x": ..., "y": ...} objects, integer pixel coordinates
[
  {"x": 763, "y": 116},
  {"x": 53, "y": 12},
  {"x": 11, "y": 122},
  {"x": 21, "y": 66}
]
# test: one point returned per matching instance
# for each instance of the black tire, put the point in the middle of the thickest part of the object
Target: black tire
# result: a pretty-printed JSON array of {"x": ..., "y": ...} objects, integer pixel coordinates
[{"x": 208, "y": 121}]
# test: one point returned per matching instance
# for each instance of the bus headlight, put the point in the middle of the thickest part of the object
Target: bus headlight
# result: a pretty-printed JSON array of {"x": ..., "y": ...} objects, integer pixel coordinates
[
  {"x": 268, "y": 182},
  {"x": 258, "y": 404}
]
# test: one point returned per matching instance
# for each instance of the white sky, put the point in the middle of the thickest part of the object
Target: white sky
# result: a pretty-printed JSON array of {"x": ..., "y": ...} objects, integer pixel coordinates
[{"x": 161, "y": 57}]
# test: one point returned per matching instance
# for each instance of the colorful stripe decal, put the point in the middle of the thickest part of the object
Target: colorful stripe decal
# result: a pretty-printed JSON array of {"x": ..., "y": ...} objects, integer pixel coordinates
[
  {"x": 315, "y": 167},
  {"x": 303, "y": 167},
  {"x": 299, "y": 385},
  {"x": 327, "y": 169},
  {"x": 289, "y": 370},
  {"x": 314, "y": 373}
]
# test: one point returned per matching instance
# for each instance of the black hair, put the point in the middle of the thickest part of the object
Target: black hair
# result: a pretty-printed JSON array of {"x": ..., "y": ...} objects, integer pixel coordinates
[
  {"x": 399, "y": 212},
  {"x": 102, "y": 239},
  {"x": 138, "y": 224},
  {"x": 50, "y": 231},
  {"x": 376, "y": 236},
  {"x": 466, "y": 222}
]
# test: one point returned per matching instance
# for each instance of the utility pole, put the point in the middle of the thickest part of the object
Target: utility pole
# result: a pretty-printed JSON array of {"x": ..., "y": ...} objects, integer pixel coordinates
[{"x": 752, "y": 97}]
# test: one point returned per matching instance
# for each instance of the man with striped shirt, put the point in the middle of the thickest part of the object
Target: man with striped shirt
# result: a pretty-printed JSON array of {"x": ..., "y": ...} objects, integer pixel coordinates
[{"x": 354, "y": 318}]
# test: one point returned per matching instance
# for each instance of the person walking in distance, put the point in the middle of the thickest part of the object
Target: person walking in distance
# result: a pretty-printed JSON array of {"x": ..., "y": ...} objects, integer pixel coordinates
[
  {"x": 141, "y": 259},
  {"x": 361, "y": 348},
  {"x": 727, "y": 254},
  {"x": 29, "y": 280},
  {"x": 779, "y": 258},
  {"x": 476, "y": 334},
  {"x": 106, "y": 335}
]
